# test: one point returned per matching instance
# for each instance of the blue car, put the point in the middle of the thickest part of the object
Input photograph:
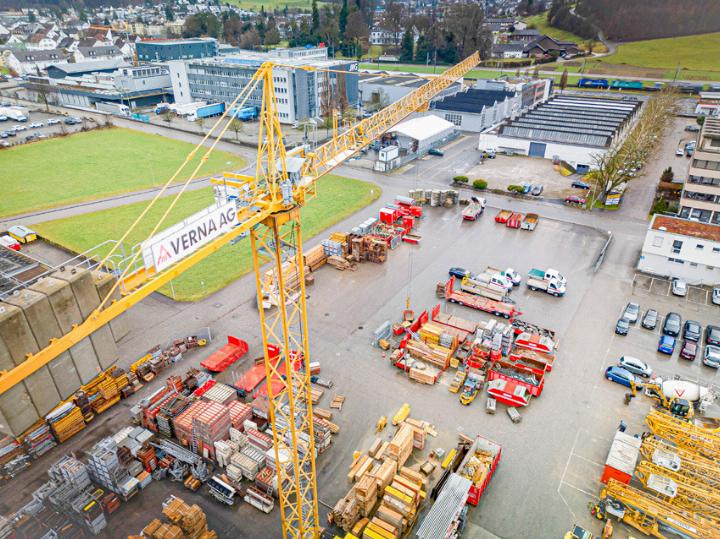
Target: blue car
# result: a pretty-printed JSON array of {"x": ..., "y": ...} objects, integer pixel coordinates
[
  {"x": 621, "y": 376},
  {"x": 666, "y": 345}
]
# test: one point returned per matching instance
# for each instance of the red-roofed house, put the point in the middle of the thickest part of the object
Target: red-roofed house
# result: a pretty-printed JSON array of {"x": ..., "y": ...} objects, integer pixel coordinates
[{"x": 687, "y": 250}]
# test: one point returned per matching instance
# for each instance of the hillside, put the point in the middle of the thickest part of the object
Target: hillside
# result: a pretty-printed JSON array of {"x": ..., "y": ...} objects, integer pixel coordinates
[
  {"x": 623, "y": 20},
  {"x": 540, "y": 23}
]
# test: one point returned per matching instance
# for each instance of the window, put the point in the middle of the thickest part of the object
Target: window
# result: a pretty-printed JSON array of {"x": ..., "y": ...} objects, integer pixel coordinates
[
  {"x": 699, "y": 246},
  {"x": 657, "y": 241},
  {"x": 716, "y": 249},
  {"x": 710, "y": 267},
  {"x": 676, "y": 246},
  {"x": 455, "y": 119},
  {"x": 676, "y": 260},
  {"x": 693, "y": 264}
]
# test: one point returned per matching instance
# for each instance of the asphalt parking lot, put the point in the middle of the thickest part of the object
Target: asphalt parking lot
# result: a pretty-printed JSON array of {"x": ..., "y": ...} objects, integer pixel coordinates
[{"x": 46, "y": 130}]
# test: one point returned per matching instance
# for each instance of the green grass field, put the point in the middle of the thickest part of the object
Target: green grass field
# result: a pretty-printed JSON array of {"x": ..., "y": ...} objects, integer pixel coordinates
[
  {"x": 540, "y": 23},
  {"x": 93, "y": 165},
  {"x": 337, "y": 199}
]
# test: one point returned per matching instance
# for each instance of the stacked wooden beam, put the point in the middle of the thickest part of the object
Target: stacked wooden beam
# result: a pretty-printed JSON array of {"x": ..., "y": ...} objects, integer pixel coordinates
[
  {"x": 431, "y": 353},
  {"x": 402, "y": 444},
  {"x": 65, "y": 421},
  {"x": 315, "y": 257},
  {"x": 366, "y": 491}
]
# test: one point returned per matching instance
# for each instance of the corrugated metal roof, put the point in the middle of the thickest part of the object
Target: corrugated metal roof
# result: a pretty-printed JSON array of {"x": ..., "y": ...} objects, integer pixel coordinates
[{"x": 449, "y": 503}]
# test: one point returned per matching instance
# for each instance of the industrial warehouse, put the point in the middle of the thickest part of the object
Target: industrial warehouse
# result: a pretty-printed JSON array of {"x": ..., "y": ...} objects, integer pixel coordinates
[
  {"x": 276, "y": 296},
  {"x": 567, "y": 128}
]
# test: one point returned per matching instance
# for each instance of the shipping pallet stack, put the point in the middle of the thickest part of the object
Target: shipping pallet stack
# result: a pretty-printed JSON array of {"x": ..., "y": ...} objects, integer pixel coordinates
[
  {"x": 107, "y": 467},
  {"x": 381, "y": 476},
  {"x": 209, "y": 426},
  {"x": 435, "y": 197},
  {"x": 186, "y": 522}
]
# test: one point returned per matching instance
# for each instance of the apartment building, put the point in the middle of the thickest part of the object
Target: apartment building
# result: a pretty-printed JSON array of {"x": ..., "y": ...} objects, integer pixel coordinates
[{"x": 700, "y": 199}]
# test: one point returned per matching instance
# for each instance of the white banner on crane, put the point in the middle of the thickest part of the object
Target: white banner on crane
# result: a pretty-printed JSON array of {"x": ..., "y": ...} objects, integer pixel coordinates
[{"x": 186, "y": 237}]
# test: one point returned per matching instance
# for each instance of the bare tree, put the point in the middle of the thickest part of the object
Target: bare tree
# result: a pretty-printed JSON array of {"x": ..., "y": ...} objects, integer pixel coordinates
[{"x": 393, "y": 19}]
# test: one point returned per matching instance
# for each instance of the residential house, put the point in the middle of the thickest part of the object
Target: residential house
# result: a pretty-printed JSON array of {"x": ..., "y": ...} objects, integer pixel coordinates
[
  {"x": 496, "y": 25},
  {"x": 31, "y": 62},
  {"x": 106, "y": 52},
  {"x": 41, "y": 41},
  {"x": 507, "y": 50},
  {"x": 383, "y": 36},
  {"x": 524, "y": 36},
  {"x": 546, "y": 46}
]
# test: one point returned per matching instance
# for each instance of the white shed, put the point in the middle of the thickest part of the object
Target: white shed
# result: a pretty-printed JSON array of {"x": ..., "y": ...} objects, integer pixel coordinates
[{"x": 418, "y": 135}]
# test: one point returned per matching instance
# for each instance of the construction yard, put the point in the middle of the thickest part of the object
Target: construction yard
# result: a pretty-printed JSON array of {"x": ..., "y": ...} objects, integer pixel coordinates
[{"x": 454, "y": 346}]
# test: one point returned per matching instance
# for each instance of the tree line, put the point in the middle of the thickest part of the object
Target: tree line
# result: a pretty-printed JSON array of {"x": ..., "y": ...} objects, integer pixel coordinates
[
  {"x": 344, "y": 27},
  {"x": 625, "y": 20},
  {"x": 561, "y": 15}
]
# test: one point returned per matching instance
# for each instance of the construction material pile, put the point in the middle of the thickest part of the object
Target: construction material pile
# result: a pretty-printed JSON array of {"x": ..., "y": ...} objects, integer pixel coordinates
[
  {"x": 435, "y": 197},
  {"x": 186, "y": 522},
  {"x": 386, "y": 495}
]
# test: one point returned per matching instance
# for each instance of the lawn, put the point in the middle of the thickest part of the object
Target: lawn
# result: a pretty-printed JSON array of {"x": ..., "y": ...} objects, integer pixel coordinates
[
  {"x": 337, "y": 199},
  {"x": 540, "y": 23},
  {"x": 95, "y": 164}
]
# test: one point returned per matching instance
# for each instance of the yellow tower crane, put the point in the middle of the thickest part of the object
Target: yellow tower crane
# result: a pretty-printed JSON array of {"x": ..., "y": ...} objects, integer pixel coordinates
[
  {"x": 677, "y": 459},
  {"x": 703, "y": 441},
  {"x": 680, "y": 490},
  {"x": 652, "y": 516},
  {"x": 268, "y": 208}
]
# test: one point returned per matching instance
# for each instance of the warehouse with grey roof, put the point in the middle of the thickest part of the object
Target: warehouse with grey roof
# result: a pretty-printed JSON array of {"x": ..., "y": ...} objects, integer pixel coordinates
[{"x": 569, "y": 128}]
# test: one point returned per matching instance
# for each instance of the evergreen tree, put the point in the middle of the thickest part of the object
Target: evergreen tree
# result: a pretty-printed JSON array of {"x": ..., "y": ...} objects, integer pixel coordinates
[
  {"x": 169, "y": 13},
  {"x": 315, "y": 17},
  {"x": 406, "y": 54},
  {"x": 343, "y": 17}
]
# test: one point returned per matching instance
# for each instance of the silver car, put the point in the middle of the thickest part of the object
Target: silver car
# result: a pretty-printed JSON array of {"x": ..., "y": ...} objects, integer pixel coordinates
[
  {"x": 631, "y": 312},
  {"x": 716, "y": 295},
  {"x": 635, "y": 366},
  {"x": 711, "y": 356},
  {"x": 679, "y": 288}
]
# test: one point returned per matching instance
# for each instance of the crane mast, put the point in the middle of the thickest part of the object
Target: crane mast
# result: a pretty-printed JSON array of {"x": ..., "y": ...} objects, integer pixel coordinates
[{"x": 268, "y": 208}]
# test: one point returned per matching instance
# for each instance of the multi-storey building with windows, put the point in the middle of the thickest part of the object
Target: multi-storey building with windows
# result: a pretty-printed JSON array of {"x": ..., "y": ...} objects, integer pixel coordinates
[
  {"x": 300, "y": 94},
  {"x": 700, "y": 199}
]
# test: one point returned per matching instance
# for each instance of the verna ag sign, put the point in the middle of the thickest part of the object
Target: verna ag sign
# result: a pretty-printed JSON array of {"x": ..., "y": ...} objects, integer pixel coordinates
[{"x": 186, "y": 237}]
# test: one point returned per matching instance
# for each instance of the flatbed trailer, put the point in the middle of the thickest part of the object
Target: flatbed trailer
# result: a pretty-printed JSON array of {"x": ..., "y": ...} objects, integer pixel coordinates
[
  {"x": 497, "y": 308},
  {"x": 502, "y": 216},
  {"x": 515, "y": 376},
  {"x": 479, "y": 288},
  {"x": 221, "y": 359},
  {"x": 515, "y": 220}
]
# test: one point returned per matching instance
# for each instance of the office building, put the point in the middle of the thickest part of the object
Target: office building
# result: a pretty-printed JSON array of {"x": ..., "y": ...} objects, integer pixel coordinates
[
  {"x": 700, "y": 199},
  {"x": 176, "y": 49},
  {"x": 300, "y": 94}
]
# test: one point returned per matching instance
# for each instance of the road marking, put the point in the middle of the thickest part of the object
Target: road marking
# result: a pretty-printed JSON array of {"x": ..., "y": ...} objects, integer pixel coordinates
[
  {"x": 567, "y": 463},
  {"x": 592, "y": 495},
  {"x": 590, "y": 461}
]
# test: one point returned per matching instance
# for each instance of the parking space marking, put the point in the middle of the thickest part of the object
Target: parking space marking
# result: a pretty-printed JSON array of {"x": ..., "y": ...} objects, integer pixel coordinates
[
  {"x": 592, "y": 495},
  {"x": 599, "y": 464}
]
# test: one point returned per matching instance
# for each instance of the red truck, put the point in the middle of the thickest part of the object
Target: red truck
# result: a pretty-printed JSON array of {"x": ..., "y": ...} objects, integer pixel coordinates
[
  {"x": 515, "y": 220},
  {"x": 498, "y": 308},
  {"x": 487, "y": 453},
  {"x": 226, "y": 356}
]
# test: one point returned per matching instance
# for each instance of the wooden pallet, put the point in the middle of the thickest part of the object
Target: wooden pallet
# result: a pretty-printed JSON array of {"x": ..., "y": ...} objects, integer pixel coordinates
[{"x": 337, "y": 402}]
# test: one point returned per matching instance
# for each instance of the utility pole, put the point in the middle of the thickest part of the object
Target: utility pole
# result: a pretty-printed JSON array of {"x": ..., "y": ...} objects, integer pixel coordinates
[{"x": 677, "y": 71}]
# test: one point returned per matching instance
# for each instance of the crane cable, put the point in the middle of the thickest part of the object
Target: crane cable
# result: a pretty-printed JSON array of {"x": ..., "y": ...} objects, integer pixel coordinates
[{"x": 244, "y": 94}]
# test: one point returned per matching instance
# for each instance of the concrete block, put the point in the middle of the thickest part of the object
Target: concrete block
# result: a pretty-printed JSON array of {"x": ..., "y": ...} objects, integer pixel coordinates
[
  {"x": 87, "y": 298},
  {"x": 67, "y": 313},
  {"x": 103, "y": 284},
  {"x": 17, "y": 411},
  {"x": 44, "y": 327}
]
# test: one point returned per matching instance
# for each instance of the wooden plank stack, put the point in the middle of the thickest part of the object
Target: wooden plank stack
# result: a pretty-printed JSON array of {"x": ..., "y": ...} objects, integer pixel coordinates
[
  {"x": 315, "y": 257},
  {"x": 186, "y": 522},
  {"x": 337, "y": 402},
  {"x": 65, "y": 421},
  {"x": 401, "y": 445},
  {"x": 398, "y": 509},
  {"x": 431, "y": 353}
]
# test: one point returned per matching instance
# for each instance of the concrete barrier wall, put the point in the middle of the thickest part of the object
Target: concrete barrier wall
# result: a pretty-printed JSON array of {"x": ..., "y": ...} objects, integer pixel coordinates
[
  {"x": 17, "y": 411},
  {"x": 30, "y": 319},
  {"x": 44, "y": 327}
]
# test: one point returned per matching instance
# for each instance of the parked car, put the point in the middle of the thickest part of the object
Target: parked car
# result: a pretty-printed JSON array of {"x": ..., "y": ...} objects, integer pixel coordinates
[
  {"x": 680, "y": 152},
  {"x": 622, "y": 326},
  {"x": 436, "y": 151},
  {"x": 631, "y": 312},
  {"x": 679, "y": 287},
  {"x": 671, "y": 326},
  {"x": 53, "y": 121},
  {"x": 537, "y": 190},
  {"x": 10, "y": 243},
  {"x": 36, "y": 125},
  {"x": 689, "y": 151},
  {"x": 5, "y": 144},
  {"x": 574, "y": 200},
  {"x": 635, "y": 366},
  {"x": 458, "y": 272},
  {"x": 3, "y": 134},
  {"x": 621, "y": 376},
  {"x": 650, "y": 319},
  {"x": 692, "y": 331},
  {"x": 72, "y": 120},
  {"x": 17, "y": 128},
  {"x": 10, "y": 133},
  {"x": 689, "y": 350},
  {"x": 666, "y": 345},
  {"x": 578, "y": 184},
  {"x": 31, "y": 137},
  {"x": 711, "y": 356},
  {"x": 692, "y": 128},
  {"x": 712, "y": 335},
  {"x": 716, "y": 295},
  {"x": 3, "y": 118}
]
